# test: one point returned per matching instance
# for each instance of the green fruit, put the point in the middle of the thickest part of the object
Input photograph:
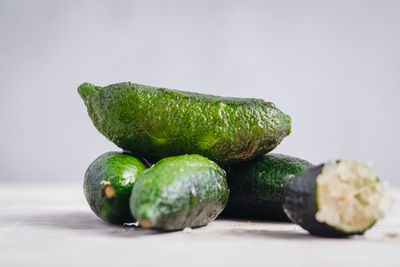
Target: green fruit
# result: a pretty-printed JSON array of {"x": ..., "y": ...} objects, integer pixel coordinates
[
  {"x": 256, "y": 186},
  {"x": 178, "y": 192},
  {"x": 108, "y": 184},
  {"x": 155, "y": 122},
  {"x": 335, "y": 199}
]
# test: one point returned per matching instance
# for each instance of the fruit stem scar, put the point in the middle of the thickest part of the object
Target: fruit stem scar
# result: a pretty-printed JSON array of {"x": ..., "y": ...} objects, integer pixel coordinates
[
  {"x": 145, "y": 223},
  {"x": 109, "y": 191}
]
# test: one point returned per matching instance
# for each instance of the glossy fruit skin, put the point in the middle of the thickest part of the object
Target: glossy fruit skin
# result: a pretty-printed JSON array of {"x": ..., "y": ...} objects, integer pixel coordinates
[
  {"x": 108, "y": 184},
  {"x": 300, "y": 204},
  {"x": 156, "y": 122},
  {"x": 178, "y": 192},
  {"x": 256, "y": 186}
]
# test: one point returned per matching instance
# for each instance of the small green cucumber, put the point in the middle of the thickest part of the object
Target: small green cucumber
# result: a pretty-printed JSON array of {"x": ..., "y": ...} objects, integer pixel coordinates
[
  {"x": 178, "y": 192},
  {"x": 108, "y": 184},
  {"x": 335, "y": 199},
  {"x": 256, "y": 186}
]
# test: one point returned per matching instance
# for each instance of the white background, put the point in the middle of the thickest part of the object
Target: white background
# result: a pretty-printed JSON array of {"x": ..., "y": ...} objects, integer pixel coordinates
[{"x": 334, "y": 66}]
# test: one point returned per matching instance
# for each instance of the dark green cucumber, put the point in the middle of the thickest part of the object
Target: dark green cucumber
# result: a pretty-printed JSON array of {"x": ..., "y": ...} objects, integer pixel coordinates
[
  {"x": 156, "y": 122},
  {"x": 335, "y": 199},
  {"x": 178, "y": 192},
  {"x": 108, "y": 184},
  {"x": 256, "y": 186}
]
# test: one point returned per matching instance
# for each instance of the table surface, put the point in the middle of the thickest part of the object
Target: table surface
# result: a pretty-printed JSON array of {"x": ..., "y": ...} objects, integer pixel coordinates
[{"x": 50, "y": 224}]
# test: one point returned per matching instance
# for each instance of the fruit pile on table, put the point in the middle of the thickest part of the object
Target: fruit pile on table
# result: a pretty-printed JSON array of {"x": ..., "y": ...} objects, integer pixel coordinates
[{"x": 188, "y": 158}]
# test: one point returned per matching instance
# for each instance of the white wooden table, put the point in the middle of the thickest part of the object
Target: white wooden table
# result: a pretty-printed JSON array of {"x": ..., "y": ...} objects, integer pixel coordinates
[{"x": 50, "y": 224}]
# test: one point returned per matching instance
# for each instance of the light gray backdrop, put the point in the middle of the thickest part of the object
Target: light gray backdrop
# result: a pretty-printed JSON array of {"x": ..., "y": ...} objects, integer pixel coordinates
[{"x": 334, "y": 66}]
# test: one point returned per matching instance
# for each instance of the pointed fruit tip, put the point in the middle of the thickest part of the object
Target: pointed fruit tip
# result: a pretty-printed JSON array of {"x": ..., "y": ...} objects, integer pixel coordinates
[{"x": 86, "y": 89}]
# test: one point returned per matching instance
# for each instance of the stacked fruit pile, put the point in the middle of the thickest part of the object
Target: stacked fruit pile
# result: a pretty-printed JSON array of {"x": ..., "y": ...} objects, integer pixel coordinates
[{"x": 186, "y": 153}]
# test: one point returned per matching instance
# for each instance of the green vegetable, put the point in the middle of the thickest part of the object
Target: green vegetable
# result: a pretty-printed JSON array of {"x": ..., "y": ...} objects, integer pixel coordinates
[
  {"x": 335, "y": 199},
  {"x": 256, "y": 186},
  {"x": 155, "y": 122},
  {"x": 178, "y": 192},
  {"x": 108, "y": 184}
]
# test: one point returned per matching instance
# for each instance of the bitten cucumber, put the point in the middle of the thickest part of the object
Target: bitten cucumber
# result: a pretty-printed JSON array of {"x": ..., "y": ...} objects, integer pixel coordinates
[
  {"x": 155, "y": 123},
  {"x": 335, "y": 199},
  {"x": 108, "y": 184},
  {"x": 178, "y": 192},
  {"x": 256, "y": 186}
]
